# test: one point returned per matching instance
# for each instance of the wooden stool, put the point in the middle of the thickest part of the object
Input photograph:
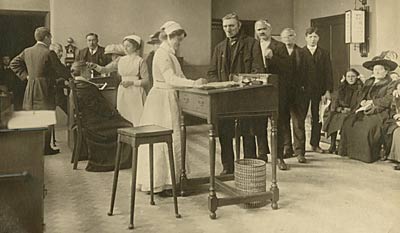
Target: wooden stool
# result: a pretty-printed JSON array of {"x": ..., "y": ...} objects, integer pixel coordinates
[{"x": 136, "y": 136}]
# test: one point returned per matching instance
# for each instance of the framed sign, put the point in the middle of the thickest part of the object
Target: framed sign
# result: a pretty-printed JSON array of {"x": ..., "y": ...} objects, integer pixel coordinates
[{"x": 355, "y": 26}]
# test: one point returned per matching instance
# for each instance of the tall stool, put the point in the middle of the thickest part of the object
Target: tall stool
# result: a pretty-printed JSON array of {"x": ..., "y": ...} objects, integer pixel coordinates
[{"x": 136, "y": 136}]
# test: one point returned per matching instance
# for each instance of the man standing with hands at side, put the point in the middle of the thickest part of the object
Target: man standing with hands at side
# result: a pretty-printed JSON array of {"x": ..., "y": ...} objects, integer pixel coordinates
[
  {"x": 317, "y": 83},
  {"x": 273, "y": 53},
  {"x": 294, "y": 92},
  {"x": 40, "y": 66},
  {"x": 235, "y": 54}
]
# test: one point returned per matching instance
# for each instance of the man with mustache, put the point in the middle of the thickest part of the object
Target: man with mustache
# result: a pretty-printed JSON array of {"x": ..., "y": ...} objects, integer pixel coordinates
[
  {"x": 273, "y": 59},
  {"x": 235, "y": 54}
]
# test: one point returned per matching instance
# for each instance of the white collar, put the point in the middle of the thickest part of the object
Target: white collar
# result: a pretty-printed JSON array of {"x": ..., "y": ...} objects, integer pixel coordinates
[
  {"x": 311, "y": 48},
  {"x": 265, "y": 41},
  {"x": 93, "y": 51},
  {"x": 42, "y": 43},
  {"x": 164, "y": 45}
]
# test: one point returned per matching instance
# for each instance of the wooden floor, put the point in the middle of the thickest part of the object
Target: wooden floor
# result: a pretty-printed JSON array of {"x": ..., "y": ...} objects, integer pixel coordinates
[{"x": 328, "y": 194}]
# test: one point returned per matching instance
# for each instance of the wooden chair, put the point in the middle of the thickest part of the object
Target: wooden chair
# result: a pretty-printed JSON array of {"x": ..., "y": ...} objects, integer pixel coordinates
[
  {"x": 136, "y": 136},
  {"x": 77, "y": 127}
]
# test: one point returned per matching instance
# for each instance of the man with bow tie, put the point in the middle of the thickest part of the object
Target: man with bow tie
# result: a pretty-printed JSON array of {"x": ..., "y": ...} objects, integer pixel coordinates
[
  {"x": 94, "y": 53},
  {"x": 235, "y": 54}
]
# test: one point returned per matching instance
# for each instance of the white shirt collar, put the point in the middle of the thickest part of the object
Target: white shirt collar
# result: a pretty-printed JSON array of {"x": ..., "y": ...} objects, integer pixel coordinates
[
  {"x": 265, "y": 43},
  {"x": 312, "y": 49},
  {"x": 42, "y": 43},
  {"x": 93, "y": 51}
]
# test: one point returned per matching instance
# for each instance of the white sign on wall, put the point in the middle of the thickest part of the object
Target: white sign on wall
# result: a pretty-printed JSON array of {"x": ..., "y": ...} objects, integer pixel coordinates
[{"x": 355, "y": 26}]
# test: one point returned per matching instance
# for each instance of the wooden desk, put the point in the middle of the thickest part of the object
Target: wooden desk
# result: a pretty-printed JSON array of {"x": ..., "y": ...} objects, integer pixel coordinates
[
  {"x": 235, "y": 102},
  {"x": 21, "y": 180}
]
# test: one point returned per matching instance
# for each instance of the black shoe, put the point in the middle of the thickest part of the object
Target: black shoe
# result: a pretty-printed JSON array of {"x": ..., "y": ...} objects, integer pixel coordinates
[
  {"x": 263, "y": 158},
  {"x": 288, "y": 152},
  {"x": 226, "y": 172},
  {"x": 318, "y": 149},
  {"x": 397, "y": 167},
  {"x": 301, "y": 159},
  {"x": 282, "y": 165},
  {"x": 332, "y": 149},
  {"x": 166, "y": 193},
  {"x": 51, "y": 151}
]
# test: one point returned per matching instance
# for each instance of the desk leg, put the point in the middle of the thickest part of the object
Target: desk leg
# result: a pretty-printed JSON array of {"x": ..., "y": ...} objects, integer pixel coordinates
[
  {"x": 183, "y": 177},
  {"x": 212, "y": 196},
  {"x": 274, "y": 186},
  {"x": 237, "y": 138}
]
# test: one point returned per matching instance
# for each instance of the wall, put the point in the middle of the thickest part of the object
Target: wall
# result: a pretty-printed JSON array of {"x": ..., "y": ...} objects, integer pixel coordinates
[
  {"x": 279, "y": 13},
  {"x": 384, "y": 30},
  {"x": 114, "y": 19},
  {"x": 25, "y": 5}
]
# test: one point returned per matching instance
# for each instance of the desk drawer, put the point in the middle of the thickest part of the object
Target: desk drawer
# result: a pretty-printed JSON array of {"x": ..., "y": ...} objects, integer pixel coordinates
[{"x": 195, "y": 103}]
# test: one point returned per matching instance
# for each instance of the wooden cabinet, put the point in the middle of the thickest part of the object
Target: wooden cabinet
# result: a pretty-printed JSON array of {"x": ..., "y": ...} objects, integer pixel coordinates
[{"x": 21, "y": 180}]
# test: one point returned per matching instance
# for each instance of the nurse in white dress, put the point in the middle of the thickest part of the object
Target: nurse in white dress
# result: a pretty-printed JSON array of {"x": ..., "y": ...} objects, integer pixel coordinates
[
  {"x": 134, "y": 77},
  {"x": 161, "y": 108}
]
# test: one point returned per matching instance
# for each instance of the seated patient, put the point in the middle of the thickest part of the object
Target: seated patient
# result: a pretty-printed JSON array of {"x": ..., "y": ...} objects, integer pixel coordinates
[
  {"x": 394, "y": 129},
  {"x": 100, "y": 121},
  {"x": 342, "y": 106},
  {"x": 363, "y": 132}
]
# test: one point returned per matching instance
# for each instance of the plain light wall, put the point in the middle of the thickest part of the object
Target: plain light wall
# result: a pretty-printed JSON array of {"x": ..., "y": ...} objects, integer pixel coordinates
[
  {"x": 114, "y": 19},
  {"x": 25, "y": 5},
  {"x": 279, "y": 13}
]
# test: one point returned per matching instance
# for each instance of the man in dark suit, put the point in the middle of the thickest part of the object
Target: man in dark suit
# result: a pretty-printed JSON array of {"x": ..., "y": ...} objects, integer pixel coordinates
[
  {"x": 317, "y": 83},
  {"x": 275, "y": 58},
  {"x": 40, "y": 66},
  {"x": 233, "y": 55},
  {"x": 94, "y": 53},
  {"x": 13, "y": 83},
  {"x": 292, "y": 107}
]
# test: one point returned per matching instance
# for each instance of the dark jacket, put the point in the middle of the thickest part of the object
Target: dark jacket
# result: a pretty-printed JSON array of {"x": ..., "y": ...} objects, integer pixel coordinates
[
  {"x": 316, "y": 74},
  {"x": 347, "y": 96},
  {"x": 291, "y": 66},
  {"x": 42, "y": 65},
  {"x": 381, "y": 95},
  {"x": 245, "y": 59},
  {"x": 98, "y": 58}
]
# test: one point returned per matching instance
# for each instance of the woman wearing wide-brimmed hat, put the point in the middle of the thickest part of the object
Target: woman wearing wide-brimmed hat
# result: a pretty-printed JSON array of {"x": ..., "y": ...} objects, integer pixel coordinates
[{"x": 363, "y": 131}]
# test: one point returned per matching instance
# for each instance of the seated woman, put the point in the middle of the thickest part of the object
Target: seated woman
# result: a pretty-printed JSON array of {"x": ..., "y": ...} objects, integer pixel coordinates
[
  {"x": 342, "y": 106},
  {"x": 393, "y": 132},
  {"x": 363, "y": 131},
  {"x": 100, "y": 121}
]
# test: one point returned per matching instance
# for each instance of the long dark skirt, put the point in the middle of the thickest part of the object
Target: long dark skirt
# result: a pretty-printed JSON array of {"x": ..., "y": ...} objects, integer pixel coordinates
[
  {"x": 102, "y": 148},
  {"x": 334, "y": 122},
  {"x": 361, "y": 137}
]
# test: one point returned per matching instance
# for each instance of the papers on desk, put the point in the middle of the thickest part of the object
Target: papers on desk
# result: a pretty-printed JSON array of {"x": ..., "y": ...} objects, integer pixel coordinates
[
  {"x": 217, "y": 85},
  {"x": 32, "y": 119}
]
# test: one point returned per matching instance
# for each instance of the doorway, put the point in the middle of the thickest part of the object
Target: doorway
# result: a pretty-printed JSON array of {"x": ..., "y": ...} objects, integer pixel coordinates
[
  {"x": 332, "y": 38},
  {"x": 16, "y": 32}
]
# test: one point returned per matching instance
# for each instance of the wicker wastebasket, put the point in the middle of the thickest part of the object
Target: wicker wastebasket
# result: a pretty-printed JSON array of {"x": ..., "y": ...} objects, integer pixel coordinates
[{"x": 250, "y": 177}]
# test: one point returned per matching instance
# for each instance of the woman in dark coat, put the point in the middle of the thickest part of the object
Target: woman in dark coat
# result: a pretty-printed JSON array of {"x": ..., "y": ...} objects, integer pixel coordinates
[
  {"x": 363, "y": 131},
  {"x": 392, "y": 139},
  {"x": 100, "y": 121},
  {"x": 344, "y": 104}
]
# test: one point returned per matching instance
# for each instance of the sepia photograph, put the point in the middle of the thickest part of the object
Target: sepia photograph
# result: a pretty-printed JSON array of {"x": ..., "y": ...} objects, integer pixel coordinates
[{"x": 199, "y": 116}]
